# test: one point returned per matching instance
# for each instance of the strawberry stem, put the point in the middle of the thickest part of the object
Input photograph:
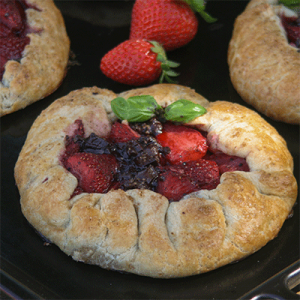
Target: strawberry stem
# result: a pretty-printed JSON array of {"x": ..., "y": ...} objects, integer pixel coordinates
[
  {"x": 199, "y": 6},
  {"x": 166, "y": 64}
]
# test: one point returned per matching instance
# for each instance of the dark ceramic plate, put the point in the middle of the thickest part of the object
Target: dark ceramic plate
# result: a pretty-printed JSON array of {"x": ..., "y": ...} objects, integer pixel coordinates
[{"x": 30, "y": 270}]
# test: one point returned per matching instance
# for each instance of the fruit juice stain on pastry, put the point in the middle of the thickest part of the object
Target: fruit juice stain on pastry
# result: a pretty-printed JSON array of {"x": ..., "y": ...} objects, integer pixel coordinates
[
  {"x": 173, "y": 160},
  {"x": 13, "y": 30},
  {"x": 292, "y": 28}
]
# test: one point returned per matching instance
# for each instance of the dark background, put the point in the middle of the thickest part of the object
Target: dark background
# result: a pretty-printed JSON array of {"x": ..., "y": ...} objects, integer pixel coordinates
[{"x": 29, "y": 269}]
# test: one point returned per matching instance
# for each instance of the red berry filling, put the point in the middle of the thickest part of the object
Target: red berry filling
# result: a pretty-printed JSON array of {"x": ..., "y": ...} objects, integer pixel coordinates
[
  {"x": 292, "y": 28},
  {"x": 13, "y": 31},
  {"x": 173, "y": 160},
  {"x": 190, "y": 148}
]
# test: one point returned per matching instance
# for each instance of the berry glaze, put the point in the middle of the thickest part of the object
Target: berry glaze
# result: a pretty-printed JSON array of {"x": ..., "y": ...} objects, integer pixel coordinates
[
  {"x": 138, "y": 161},
  {"x": 13, "y": 30},
  {"x": 292, "y": 28}
]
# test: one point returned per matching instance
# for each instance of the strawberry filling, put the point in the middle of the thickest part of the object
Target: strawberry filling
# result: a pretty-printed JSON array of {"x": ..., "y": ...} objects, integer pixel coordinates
[
  {"x": 193, "y": 147},
  {"x": 292, "y": 28},
  {"x": 173, "y": 160},
  {"x": 13, "y": 31}
]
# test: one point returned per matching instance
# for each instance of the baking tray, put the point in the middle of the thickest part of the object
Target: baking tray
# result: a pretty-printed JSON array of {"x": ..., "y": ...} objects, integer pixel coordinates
[{"x": 32, "y": 269}]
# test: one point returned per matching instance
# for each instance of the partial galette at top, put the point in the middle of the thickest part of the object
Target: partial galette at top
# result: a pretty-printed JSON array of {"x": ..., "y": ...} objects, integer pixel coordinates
[
  {"x": 34, "y": 52},
  {"x": 264, "y": 59},
  {"x": 166, "y": 196}
]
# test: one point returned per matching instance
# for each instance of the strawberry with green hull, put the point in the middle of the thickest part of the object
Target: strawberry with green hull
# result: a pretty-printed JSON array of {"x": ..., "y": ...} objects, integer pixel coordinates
[
  {"x": 172, "y": 23},
  {"x": 137, "y": 62}
]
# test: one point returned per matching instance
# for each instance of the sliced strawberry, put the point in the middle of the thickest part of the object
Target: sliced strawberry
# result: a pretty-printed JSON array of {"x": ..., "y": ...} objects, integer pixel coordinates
[
  {"x": 12, "y": 47},
  {"x": 228, "y": 163},
  {"x": 95, "y": 173},
  {"x": 71, "y": 146},
  {"x": 174, "y": 186},
  {"x": 11, "y": 14},
  {"x": 121, "y": 133},
  {"x": 292, "y": 27},
  {"x": 186, "y": 144},
  {"x": 2, "y": 64},
  {"x": 13, "y": 30},
  {"x": 203, "y": 172},
  {"x": 293, "y": 33},
  {"x": 79, "y": 129},
  {"x": 77, "y": 191},
  {"x": 4, "y": 31},
  {"x": 181, "y": 179},
  {"x": 115, "y": 185}
]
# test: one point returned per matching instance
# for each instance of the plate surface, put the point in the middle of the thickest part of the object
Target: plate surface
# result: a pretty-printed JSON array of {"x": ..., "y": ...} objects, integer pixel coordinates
[{"x": 30, "y": 269}]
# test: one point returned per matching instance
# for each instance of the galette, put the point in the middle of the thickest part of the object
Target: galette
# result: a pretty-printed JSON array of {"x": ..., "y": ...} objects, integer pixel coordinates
[
  {"x": 264, "y": 59},
  {"x": 155, "y": 181},
  {"x": 34, "y": 52}
]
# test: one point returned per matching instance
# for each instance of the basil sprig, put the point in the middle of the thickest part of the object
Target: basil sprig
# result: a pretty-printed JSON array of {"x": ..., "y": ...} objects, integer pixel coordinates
[
  {"x": 183, "y": 111},
  {"x": 292, "y": 4},
  {"x": 143, "y": 108},
  {"x": 136, "y": 108}
]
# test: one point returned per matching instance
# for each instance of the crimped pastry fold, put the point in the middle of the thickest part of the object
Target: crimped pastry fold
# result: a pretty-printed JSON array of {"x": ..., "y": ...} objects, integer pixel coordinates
[
  {"x": 44, "y": 61},
  {"x": 139, "y": 231},
  {"x": 264, "y": 68}
]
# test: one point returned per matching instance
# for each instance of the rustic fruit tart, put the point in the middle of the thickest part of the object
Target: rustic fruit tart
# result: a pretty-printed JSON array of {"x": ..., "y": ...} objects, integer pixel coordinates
[
  {"x": 154, "y": 197},
  {"x": 264, "y": 59},
  {"x": 34, "y": 52}
]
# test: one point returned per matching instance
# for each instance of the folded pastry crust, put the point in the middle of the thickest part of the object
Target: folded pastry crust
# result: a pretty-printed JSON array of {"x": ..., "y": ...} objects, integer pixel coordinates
[
  {"x": 264, "y": 68},
  {"x": 139, "y": 231},
  {"x": 43, "y": 63}
]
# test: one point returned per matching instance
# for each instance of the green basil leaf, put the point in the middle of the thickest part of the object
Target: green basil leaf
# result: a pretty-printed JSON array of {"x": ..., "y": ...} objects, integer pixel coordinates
[
  {"x": 135, "y": 109},
  {"x": 183, "y": 111},
  {"x": 290, "y": 3}
]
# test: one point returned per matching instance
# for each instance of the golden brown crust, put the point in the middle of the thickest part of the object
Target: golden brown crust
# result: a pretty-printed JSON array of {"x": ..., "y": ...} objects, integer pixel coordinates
[
  {"x": 139, "y": 231},
  {"x": 264, "y": 68},
  {"x": 44, "y": 61}
]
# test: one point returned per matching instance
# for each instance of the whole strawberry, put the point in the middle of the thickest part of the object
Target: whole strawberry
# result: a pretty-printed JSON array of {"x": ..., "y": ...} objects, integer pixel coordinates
[
  {"x": 172, "y": 23},
  {"x": 137, "y": 62}
]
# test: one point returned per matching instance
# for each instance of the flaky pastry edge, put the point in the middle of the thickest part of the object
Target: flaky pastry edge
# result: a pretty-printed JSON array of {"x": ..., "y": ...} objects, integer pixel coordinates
[
  {"x": 139, "y": 231},
  {"x": 43, "y": 65}
]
